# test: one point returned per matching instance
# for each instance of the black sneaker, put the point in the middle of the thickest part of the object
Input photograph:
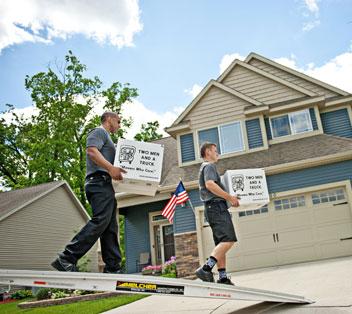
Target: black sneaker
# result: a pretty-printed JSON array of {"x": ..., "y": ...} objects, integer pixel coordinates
[
  {"x": 226, "y": 281},
  {"x": 62, "y": 265},
  {"x": 204, "y": 275},
  {"x": 107, "y": 271}
]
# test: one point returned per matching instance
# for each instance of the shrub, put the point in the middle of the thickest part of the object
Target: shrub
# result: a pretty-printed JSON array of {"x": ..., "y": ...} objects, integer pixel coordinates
[
  {"x": 21, "y": 294},
  {"x": 83, "y": 292},
  {"x": 59, "y": 294},
  {"x": 43, "y": 293}
]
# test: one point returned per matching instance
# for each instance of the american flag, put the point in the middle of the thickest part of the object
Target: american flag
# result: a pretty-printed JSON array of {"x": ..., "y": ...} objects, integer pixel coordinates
[{"x": 180, "y": 196}]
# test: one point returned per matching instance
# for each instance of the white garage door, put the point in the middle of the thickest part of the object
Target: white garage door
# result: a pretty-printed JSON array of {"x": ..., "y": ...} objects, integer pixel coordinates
[{"x": 298, "y": 228}]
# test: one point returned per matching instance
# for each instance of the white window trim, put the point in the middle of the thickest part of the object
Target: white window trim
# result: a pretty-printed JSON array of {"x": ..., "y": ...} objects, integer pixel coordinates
[
  {"x": 289, "y": 121},
  {"x": 219, "y": 134}
]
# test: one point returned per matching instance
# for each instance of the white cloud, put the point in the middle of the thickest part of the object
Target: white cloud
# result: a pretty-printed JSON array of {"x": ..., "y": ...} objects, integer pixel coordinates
[
  {"x": 112, "y": 21},
  {"x": 26, "y": 113},
  {"x": 141, "y": 114},
  {"x": 310, "y": 25},
  {"x": 227, "y": 60},
  {"x": 135, "y": 109},
  {"x": 312, "y": 5},
  {"x": 312, "y": 15},
  {"x": 194, "y": 90},
  {"x": 336, "y": 72}
]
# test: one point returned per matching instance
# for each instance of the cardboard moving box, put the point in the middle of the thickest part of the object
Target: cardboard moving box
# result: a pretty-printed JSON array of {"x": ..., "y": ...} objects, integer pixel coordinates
[
  {"x": 249, "y": 185},
  {"x": 143, "y": 163}
]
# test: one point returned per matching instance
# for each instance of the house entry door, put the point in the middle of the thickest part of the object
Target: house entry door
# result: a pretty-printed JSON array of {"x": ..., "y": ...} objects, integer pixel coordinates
[{"x": 161, "y": 239}]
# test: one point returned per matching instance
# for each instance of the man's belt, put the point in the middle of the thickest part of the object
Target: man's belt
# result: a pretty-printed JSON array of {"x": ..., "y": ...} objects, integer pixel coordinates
[{"x": 98, "y": 174}]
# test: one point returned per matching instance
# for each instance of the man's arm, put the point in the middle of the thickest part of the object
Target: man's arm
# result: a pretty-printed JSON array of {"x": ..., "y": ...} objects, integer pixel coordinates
[
  {"x": 217, "y": 190},
  {"x": 95, "y": 155}
]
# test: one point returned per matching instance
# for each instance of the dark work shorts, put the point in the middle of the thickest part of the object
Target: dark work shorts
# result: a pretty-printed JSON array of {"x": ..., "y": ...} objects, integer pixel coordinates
[{"x": 220, "y": 222}]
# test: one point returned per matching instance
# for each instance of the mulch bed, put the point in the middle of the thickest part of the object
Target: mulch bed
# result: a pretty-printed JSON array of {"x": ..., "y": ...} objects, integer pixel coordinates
[{"x": 8, "y": 301}]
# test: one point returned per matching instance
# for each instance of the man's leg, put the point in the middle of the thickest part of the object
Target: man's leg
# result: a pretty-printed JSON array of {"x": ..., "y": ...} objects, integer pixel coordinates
[
  {"x": 224, "y": 236},
  {"x": 220, "y": 254},
  {"x": 220, "y": 251},
  {"x": 102, "y": 206},
  {"x": 110, "y": 248}
]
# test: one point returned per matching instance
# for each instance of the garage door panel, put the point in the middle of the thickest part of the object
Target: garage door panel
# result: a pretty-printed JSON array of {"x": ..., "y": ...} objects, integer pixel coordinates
[
  {"x": 254, "y": 226},
  {"x": 334, "y": 231},
  {"x": 257, "y": 243},
  {"x": 334, "y": 249},
  {"x": 295, "y": 237},
  {"x": 293, "y": 220},
  {"x": 260, "y": 259},
  {"x": 333, "y": 213}
]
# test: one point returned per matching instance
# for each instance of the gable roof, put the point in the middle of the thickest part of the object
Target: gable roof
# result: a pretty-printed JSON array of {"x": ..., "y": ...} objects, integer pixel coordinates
[
  {"x": 15, "y": 200},
  {"x": 204, "y": 91},
  {"x": 237, "y": 62},
  {"x": 253, "y": 55},
  {"x": 304, "y": 149}
]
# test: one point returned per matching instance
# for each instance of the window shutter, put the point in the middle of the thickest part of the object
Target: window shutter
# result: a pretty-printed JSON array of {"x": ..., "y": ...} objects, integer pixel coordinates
[
  {"x": 254, "y": 133},
  {"x": 267, "y": 127},
  {"x": 187, "y": 147}
]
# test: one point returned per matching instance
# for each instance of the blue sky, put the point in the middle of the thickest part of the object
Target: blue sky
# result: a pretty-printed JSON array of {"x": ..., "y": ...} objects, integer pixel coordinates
[{"x": 169, "y": 50}]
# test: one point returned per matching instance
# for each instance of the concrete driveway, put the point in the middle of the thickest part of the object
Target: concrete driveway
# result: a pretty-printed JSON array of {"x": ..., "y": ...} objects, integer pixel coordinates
[{"x": 327, "y": 282}]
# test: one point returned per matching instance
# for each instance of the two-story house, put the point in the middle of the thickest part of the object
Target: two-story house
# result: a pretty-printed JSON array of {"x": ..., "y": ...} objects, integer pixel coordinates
[{"x": 261, "y": 115}]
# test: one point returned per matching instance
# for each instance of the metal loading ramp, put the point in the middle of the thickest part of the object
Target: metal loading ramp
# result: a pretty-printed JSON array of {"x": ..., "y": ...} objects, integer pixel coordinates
[{"x": 141, "y": 284}]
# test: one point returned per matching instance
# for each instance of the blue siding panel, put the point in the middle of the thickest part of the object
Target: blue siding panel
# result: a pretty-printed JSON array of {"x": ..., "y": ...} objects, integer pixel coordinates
[
  {"x": 184, "y": 220},
  {"x": 187, "y": 147},
  {"x": 267, "y": 127},
  {"x": 313, "y": 118},
  {"x": 337, "y": 123},
  {"x": 254, "y": 133},
  {"x": 137, "y": 231},
  {"x": 309, "y": 177}
]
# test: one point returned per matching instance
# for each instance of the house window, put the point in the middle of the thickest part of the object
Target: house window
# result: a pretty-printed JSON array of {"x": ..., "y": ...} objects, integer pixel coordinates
[
  {"x": 292, "y": 123},
  {"x": 328, "y": 196},
  {"x": 292, "y": 202},
  {"x": 227, "y": 137},
  {"x": 158, "y": 218},
  {"x": 251, "y": 212},
  {"x": 231, "y": 138}
]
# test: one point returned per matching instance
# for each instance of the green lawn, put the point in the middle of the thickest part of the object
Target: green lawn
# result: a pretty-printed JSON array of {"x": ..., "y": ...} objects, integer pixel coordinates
[{"x": 83, "y": 307}]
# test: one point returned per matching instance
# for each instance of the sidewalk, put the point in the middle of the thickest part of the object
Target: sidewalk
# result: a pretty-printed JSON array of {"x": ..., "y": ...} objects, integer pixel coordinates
[{"x": 327, "y": 282}]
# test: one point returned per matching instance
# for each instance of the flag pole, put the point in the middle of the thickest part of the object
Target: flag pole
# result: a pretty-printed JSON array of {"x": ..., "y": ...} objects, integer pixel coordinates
[{"x": 189, "y": 200}]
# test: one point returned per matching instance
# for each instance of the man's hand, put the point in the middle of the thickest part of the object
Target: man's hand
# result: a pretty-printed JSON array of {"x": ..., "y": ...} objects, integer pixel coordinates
[
  {"x": 116, "y": 173},
  {"x": 233, "y": 200}
]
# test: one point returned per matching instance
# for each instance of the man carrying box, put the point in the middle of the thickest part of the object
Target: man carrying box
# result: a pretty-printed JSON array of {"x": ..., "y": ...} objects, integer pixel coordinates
[
  {"x": 214, "y": 196},
  {"x": 101, "y": 196}
]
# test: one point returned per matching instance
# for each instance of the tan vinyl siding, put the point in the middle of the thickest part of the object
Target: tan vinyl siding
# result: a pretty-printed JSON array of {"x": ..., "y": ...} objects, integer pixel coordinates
[
  {"x": 259, "y": 87},
  {"x": 32, "y": 237},
  {"x": 216, "y": 106},
  {"x": 292, "y": 78}
]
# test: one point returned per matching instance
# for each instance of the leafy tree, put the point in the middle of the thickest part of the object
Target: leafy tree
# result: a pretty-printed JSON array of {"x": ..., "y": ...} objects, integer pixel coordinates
[
  {"x": 50, "y": 145},
  {"x": 148, "y": 132}
]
